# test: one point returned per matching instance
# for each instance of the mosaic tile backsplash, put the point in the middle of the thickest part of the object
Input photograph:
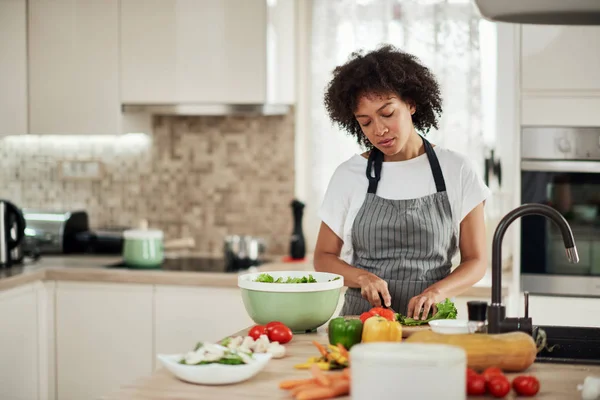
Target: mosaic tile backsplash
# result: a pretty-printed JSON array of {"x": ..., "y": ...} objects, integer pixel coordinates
[{"x": 200, "y": 177}]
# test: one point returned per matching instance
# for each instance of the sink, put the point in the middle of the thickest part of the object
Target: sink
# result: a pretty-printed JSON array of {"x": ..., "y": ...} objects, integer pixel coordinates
[{"x": 569, "y": 345}]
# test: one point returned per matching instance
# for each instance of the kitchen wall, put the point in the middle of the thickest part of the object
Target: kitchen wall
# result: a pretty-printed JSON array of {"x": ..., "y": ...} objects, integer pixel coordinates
[{"x": 204, "y": 177}]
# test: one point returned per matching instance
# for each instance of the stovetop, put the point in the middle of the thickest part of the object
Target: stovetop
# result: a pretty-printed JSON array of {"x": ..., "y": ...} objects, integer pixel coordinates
[{"x": 195, "y": 264}]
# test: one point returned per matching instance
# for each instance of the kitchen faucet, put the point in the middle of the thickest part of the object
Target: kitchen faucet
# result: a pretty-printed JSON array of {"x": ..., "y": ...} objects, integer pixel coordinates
[{"x": 497, "y": 321}]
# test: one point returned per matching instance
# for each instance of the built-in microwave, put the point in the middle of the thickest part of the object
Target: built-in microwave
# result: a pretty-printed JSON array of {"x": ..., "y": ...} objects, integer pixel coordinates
[{"x": 560, "y": 167}]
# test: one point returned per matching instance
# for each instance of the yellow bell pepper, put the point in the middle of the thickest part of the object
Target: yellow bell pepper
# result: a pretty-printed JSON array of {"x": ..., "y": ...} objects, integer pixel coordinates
[{"x": 379, "y": 329}]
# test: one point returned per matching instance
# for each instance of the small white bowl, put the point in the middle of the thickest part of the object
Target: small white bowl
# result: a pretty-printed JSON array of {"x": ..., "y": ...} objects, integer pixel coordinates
[
  {"x": 449, "y": 326},
  {"x": 214, "y": 374}
]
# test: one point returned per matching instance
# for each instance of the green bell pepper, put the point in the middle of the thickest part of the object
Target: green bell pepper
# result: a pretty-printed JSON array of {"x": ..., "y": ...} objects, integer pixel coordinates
[{"x": 345, "y": 332}]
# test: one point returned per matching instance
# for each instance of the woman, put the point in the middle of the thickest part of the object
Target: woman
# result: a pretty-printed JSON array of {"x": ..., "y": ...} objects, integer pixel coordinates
[{"x": 394, "y": 217}]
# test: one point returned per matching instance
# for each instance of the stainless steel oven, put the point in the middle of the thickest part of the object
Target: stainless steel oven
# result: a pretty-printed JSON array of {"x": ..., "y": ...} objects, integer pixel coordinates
[{"x": 560, "y": 167}]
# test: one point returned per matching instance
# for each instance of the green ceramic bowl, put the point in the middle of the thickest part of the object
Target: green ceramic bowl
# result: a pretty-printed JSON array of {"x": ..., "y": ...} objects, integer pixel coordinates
[{"x": 303, "y": 307}]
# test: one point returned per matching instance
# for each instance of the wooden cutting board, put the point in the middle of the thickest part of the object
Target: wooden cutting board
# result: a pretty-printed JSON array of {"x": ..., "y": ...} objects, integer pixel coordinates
[{"x": 406, "y": 330}]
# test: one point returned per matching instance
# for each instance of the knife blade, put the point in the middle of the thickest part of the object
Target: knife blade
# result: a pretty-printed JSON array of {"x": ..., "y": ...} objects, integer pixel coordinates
[{"x": 383, "y": 303}]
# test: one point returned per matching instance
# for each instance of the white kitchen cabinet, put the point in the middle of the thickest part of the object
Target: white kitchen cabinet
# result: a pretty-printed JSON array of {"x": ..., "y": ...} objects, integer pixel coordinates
[
  {"x": 46, "y": 295},
  {"x": 19, "y": 379},
  {"x": 569, "y": 109},
  {"x": 206, "y": 51},
  {"x": 13, "y": 67},
  {"x": 74, "y": 67},
  {"x": 185, "y": 316},
  {"x": 103, "y": 337},
  {"x": 555, "y": 58},
  {"x": 560, "y": 75},
  {"x": 564, "y": 311}
]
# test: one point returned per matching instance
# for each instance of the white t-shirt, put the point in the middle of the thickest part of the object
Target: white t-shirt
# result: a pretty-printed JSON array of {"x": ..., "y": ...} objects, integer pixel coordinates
[{"x": 399, "y": 180}]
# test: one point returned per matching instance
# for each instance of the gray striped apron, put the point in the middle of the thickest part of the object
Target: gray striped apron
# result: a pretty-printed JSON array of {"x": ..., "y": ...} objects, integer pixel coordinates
[{"x": 408, "y": 243}]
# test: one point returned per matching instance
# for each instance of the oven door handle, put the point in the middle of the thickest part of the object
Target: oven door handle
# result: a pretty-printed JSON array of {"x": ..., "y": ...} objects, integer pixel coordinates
[{"x": 561, "y": 166}]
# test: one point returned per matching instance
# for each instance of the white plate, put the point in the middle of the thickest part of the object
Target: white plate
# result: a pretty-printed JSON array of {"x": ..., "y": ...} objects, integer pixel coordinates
[
  {"x": 449, "y": 325},
  {"x": 214, "y": 374},
  {"x": 323, "y": 282}
]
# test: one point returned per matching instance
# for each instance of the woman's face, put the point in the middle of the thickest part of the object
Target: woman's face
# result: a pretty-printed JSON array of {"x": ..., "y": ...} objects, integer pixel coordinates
[{"x": 386, "y": 120}]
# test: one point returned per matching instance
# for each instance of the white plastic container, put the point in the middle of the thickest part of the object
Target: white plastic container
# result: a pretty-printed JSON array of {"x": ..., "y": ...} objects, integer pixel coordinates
[{"x": 390, "y": 371}]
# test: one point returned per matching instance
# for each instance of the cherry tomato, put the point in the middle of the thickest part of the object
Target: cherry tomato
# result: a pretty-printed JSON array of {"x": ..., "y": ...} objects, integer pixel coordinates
[
  {"x": 526, "y": 385},
  {"x": 475, "y": 385},
  {"x": 471, "y": 372},
  {"x": 256, "y": 331},
  {"x": 281, "y": 334},
  {"x": 498, "y": 386},
  {"x": 491, "y": 372},
  {"x": 272, "y": 324}
]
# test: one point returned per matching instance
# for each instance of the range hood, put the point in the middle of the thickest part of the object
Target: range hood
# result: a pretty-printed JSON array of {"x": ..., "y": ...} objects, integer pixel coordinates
[
  {"x": 541, "y": 12},
  {"x": 196, "y": 58}
]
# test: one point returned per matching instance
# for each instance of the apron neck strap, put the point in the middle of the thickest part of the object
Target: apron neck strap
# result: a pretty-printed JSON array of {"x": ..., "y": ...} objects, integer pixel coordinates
[
  {"x": 438, "y": 176},
  {"x": 376, "y": 160}
]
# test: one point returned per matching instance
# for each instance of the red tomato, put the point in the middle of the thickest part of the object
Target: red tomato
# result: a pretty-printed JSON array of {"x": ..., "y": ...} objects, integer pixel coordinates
[
  {"x": 491, "y": 372},
  {"x": 498, "y": 386},
  {"x": 281, "y": 334},
  {"x": 526, "y": 385},
  {"x": 471, "y": 372},
  {"x": 475, "y": 385},
  {"x": 256, "y": 331},
  {"x": 272, "y": 324}
]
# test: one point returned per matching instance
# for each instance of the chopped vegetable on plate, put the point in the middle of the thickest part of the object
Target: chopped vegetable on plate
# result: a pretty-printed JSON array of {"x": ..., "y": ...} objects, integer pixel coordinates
[
  {"x": 250, "y": 345},
  {"x": 209, "y": 353}
]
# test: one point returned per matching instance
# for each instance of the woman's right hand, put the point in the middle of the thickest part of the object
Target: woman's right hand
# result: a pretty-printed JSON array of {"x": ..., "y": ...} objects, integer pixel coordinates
[{"x": 373, "y": 289}]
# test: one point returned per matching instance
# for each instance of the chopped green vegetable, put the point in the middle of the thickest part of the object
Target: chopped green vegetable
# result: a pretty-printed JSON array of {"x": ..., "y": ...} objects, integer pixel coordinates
[
  {"x": 229, "y": 359},
  {"x": 267, "y": 278},
  {"x": 208, "y": 353},
  {"x": 445, "y": 310}
]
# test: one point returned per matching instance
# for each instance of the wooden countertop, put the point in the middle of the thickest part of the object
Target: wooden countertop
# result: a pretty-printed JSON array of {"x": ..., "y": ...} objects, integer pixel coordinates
[
  {"x": 557, "y": 381},
  {"x": 94, "y": 269}
]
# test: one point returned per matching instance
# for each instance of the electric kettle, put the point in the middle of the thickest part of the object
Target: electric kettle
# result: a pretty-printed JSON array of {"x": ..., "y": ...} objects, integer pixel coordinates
[{"x": 12, "y": 233}]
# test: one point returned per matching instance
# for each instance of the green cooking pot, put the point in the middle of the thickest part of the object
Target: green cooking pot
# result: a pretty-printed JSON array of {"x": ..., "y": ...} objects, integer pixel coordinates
[{"x": 143, "y": 248}]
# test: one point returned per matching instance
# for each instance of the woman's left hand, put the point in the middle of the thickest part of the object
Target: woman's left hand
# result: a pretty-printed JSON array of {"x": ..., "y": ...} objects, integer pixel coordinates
[{"x": 426, "y": 301}]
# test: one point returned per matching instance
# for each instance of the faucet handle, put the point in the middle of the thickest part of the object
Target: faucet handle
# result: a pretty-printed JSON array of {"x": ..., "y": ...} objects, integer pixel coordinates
[{"x": 526, "y": 295}]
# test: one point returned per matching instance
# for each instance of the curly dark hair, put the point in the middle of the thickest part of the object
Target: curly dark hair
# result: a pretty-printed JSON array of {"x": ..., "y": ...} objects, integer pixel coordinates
[{"x": 382, "y": 71}]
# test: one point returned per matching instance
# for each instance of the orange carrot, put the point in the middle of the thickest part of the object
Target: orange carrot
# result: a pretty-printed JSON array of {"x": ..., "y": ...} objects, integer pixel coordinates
[
  {"x": 319, "y": 375},
  {"x": 340, "y": 387},
  {"x": 321, "y": 349},
  {"x": 346, "y": 373},
  {"x": 319, "y": 393},
  {"x": 298, "y": 389},
  {"x": 292, "y": 383},
  {"x": 343, "y": 350}
]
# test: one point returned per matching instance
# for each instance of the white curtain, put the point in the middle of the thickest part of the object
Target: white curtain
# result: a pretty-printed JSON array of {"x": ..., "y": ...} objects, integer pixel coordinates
[{"x": 444, "y": 34}]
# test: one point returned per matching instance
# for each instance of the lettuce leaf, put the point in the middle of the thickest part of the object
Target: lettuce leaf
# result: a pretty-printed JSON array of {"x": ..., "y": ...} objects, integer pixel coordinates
[{"x": 445, "y": 310}]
